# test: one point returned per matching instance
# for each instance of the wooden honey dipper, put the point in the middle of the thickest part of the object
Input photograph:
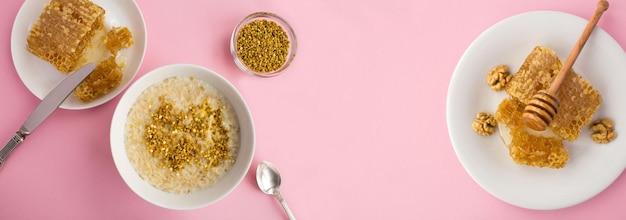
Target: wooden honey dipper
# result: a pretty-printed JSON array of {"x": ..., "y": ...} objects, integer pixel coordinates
[{"x": 542, "y": 107}]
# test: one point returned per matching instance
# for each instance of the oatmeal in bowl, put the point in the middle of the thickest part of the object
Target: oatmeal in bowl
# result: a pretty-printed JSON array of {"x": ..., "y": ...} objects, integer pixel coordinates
[{"x": 182, "y": 137}]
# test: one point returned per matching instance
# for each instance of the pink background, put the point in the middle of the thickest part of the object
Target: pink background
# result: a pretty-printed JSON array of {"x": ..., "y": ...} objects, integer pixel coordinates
[{"x": 356, "y": 125}]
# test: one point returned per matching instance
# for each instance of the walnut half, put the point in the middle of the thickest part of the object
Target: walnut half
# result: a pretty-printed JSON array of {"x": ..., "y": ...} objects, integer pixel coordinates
[
  {"x": 498, "y": 77},
  {"x": 602, "y": 131},
  {"x": 485, "y": 124}
]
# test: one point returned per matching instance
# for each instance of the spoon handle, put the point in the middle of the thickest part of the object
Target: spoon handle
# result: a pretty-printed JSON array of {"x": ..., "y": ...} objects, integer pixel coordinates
[{"x": 284, "y": 204}]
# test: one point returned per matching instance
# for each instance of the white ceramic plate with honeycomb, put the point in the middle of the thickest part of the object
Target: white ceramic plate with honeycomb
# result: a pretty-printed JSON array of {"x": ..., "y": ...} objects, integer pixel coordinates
[
  {"x": 592, "y": 167},
  {"x": 40, "y": 77}
]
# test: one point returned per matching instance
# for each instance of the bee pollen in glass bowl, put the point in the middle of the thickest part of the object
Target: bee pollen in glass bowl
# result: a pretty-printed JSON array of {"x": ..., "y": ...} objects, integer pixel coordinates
[{"x": 264, "y": 46}]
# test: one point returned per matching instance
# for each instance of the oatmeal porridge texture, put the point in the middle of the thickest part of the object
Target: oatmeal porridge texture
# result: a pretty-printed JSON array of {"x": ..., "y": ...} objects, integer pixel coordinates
[{"x": 182, "y": 135}]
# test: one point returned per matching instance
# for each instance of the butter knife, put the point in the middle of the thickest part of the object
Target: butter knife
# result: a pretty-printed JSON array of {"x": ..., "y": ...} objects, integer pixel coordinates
[{"x": 47, "y": 106}]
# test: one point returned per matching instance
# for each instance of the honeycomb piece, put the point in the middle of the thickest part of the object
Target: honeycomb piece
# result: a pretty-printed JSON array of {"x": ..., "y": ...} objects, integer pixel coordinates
[
  {"x": 536, "y": 150},
  {"x": 118, "y": 38},
  {"x": 107, "y": 75},
  {"x": 510, "y": 113},
  {"x": 536, "y": 73},
  {"x": 532, "y": 149},
  {"x": 64, "y": 31},
  {"x": 578, "y": 99}
]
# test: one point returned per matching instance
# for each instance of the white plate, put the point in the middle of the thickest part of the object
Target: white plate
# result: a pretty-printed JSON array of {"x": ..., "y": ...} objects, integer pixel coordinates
[
  {"x": 592, "y": 167},
  {"x": 202, "y": 197},
  {"x": 40, "y": 77}
]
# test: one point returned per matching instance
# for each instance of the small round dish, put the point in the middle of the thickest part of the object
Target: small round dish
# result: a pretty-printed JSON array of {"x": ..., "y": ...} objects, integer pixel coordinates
[
  {"x": 40, "y": 77},
  {"x": 202, "y": 197},
  {"x": 271, "y": 17}
]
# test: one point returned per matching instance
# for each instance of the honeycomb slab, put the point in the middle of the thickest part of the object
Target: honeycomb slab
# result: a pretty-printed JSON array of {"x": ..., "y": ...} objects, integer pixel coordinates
[
  {"x": 63, "y": 32},
  {"x": 578, "y": 99}
]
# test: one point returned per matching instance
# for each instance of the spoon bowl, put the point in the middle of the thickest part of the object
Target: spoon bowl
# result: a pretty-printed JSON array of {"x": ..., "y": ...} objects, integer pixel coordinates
[{"x": 268, "y": 178}]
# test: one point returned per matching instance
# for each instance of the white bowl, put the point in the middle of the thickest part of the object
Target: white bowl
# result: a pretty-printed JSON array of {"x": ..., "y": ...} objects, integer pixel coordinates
[{"x": 199, "y": 198}]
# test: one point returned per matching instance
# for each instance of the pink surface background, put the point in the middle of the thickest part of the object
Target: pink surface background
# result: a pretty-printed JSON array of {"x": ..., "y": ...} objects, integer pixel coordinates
[{"x": 356, "y": 125}]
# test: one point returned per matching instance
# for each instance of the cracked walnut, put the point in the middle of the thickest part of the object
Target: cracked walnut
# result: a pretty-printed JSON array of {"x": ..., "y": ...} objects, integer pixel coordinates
[
  {"x": 485, "y": 124},
  {"x": 498, "y": 77},
  {"x": 602, "y": 131}
]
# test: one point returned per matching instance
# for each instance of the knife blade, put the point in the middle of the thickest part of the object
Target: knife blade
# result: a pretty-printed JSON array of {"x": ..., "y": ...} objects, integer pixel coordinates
[{"x": 47, "y": 106}]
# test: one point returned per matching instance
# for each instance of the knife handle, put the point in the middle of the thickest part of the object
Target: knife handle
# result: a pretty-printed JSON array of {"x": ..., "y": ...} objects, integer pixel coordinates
[{"x": 15, "y": 141}]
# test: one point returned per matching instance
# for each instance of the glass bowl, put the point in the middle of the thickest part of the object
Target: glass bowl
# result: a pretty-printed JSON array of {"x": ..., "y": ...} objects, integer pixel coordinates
[{"x": 291, "y": 37}]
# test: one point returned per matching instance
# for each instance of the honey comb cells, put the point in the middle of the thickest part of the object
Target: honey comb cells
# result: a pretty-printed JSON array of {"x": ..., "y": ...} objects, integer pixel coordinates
[
  {"x": 535, "y": 150},
  {"x": 64, "y": 31},
  {"x": 71, "y": 33},
  {"x": 526, "y": 148},
  {"x": 107, "y": 75},
  {"x": 579, "y": 100}
]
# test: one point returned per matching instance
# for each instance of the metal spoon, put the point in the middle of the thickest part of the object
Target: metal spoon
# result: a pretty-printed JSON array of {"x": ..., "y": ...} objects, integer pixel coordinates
[{"x": 268, "y": 178}]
